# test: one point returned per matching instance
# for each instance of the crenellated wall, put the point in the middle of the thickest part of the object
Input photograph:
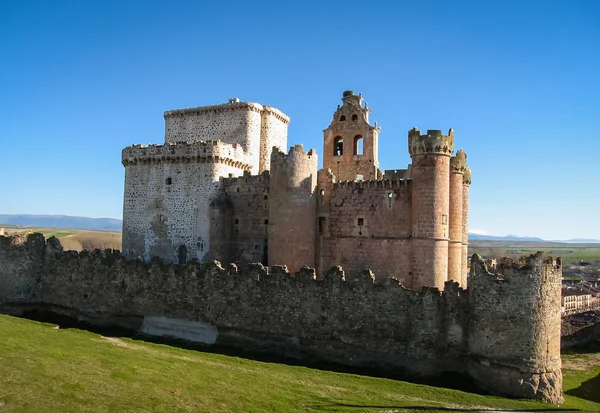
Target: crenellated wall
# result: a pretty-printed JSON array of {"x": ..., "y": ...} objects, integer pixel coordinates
[
  {"x": 504, "y": 331},
  {"x": 367, "y": 224}
]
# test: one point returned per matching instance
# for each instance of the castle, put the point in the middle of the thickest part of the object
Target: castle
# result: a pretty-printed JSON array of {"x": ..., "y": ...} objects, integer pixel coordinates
[{"x": 220, "y": 188}]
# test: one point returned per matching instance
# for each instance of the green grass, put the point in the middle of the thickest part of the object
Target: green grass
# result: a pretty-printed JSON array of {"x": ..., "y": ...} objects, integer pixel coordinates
[{"x": 44, "y": 369}]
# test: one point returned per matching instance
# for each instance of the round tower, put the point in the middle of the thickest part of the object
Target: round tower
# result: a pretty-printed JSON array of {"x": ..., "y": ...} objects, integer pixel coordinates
[
  {"x": 458, "y": 163},
  {"x": 514, "y": 335},
  {"x": 465, "y": 227},
  {"x": 430, "y": 172},
  {"x": 292, "y": 208}
]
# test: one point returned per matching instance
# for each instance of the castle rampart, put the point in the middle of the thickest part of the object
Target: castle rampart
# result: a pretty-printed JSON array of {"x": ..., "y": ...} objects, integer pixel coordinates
[{"x": 502, "y": 331}]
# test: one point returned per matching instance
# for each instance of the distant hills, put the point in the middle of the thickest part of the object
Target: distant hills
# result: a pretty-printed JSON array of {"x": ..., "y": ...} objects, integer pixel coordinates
[
  {"x": 62, "y": 221},
  {"x": 115, "y": 225}
]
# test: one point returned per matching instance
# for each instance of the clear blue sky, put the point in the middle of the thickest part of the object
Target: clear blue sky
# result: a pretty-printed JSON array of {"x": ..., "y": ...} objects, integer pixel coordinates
[{"x": 519, "y": 81}]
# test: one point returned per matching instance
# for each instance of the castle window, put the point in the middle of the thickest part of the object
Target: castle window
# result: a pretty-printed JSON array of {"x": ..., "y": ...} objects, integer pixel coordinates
[
  {"x": 358, "y": 145},
  {"x": 321, "y": 225},
  {"x": 390, "y": 195},
  {"x": 168, "y": 181},
  {"x": 360, "y": 222},
  {"x": 266, "y": 197},
  {"x": 266, "y": 222},
  {"x": 444, "y": 219},
  {"x": 354, "y": 117},
  {"x": 343, "y": 118},
  {"x": 182, "y": 255},
  {"x": 237, "y": 221},
  {"x": 338, "y": 146}
]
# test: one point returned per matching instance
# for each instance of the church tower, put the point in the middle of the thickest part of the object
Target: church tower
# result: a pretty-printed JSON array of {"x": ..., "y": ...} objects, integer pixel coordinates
[{"x": 350, "y": 142}]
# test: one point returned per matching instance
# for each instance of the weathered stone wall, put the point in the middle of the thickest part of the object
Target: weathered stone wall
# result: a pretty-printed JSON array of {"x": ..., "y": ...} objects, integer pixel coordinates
[
  {"x": 243, "y": 204},
  {"x": 21, "y": 267},
  {"x": 168, "y": 190},
  {"x": 293, "y": 207},
  {"x": 233, "y": 123},
  {"x": 368, "y": 225},
  {"x": 503, "y": 331},
  {"x": 514, "y": 327}
]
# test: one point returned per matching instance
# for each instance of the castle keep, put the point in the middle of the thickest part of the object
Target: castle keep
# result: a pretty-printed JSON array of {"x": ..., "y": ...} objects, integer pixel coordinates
[{"x": 221, "y": 188}]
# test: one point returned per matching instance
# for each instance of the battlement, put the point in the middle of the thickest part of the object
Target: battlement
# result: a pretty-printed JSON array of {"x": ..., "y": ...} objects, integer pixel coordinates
[
  {"x": 379, "y": 183},
  {"x": 433, "y": 142},
  {"x": 296, "y": 151},
  {"x": 467, "y": 176},
  {"x": 519, "y": 273},
  {"x": 458, "y": 163},
  {"x": 395, "y": 174},
  {"x": 232, "y": 105},
  {"x": 188, "y": 152},
  {"x": 247, "y": 180}
]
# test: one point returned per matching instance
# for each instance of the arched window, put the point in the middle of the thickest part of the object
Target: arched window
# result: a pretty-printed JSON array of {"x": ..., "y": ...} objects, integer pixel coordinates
[
  {"x": 338, "y": 146},
  {"x": 182, "y": 255},
  {"x": 354, "y": 117},
  {"x": 358, "y": 145},
  {"x": 343, "y": 118}
]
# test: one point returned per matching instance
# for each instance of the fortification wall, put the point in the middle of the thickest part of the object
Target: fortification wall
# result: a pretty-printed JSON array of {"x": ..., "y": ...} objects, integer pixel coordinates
[
  {"x": 168, "y": 190},
  {"x": 351, "y": 321},
  {"x": 516, "y": 347},
  {"x": 244, "y": 206},
  {"x": 369, "y": 225}
]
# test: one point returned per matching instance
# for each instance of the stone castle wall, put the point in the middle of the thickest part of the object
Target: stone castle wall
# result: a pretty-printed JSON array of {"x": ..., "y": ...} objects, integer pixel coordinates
[
  {"x": 348, "y": 320},
  {"x": 167, "y": 196},
  {"x": 240, "y": 219},
  {"x": 368, "y": 224}
]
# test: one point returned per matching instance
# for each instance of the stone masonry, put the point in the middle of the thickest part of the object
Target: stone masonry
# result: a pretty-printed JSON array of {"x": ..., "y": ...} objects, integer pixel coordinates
[
  {"x": 221, "y": 188},
  {"x": 504, "y": 331}
]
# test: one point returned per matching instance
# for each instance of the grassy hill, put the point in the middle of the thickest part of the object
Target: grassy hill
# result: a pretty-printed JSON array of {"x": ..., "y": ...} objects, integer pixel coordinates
[{"x": 46, "y": 369}]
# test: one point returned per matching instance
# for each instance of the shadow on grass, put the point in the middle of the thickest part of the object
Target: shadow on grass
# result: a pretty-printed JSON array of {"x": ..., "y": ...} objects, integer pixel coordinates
[
  {"x": 589, "y": 390},
  {"x": 337, "y": 406},
  {"x": 448, "y": 380}
]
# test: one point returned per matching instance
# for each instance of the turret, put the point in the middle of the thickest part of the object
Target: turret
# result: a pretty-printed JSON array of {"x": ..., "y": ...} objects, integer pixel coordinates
[
  {"x": 514, "y": 330},
  {"x": 465, "y": 227},
  {"x": 351, "y": 142},
  {"x": 430, "y": 173},
  {"x": 292, "y": 208},
  {"x": 458, "y": 164}
]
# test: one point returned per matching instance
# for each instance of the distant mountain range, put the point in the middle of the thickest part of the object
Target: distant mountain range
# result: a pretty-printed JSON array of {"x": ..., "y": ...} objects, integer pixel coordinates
[
  {"x": 62, "y": 221},
  {"x": 111, "y": 224}
]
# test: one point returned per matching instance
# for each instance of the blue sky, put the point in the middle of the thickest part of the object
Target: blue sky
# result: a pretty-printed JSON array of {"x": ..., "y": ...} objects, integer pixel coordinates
[{"x": 519, "y": 81}]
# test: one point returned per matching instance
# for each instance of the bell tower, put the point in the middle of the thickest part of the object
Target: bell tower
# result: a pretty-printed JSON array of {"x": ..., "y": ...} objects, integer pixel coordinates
[{"x": 350, "y": 142}]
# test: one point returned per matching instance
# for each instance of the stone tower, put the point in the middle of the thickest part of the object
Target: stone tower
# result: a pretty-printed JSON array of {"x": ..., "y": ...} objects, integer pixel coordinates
[
  {"x": 430, "y": 172},
  {"x": 350, "y": 141},
  {"x": 292, "y": 208},
  {"x": 458, "y": 164},
  {"x": 514, "y": 330},
  {"x": 465, "y": 227},
  {"x": 169, "y": 188}
]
